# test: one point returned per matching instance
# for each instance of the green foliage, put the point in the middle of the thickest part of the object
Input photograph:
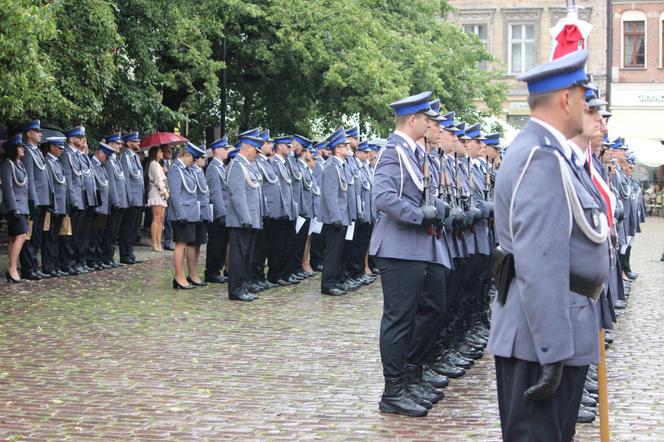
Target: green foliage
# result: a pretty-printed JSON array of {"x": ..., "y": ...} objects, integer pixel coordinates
[{"x": 292, "y": 65}]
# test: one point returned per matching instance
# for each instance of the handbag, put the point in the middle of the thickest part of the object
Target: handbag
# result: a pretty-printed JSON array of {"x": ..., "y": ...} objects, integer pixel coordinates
[{"x": 502, "y": 269}]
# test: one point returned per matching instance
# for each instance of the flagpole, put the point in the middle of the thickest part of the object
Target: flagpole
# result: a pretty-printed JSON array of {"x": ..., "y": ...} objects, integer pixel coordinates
[{"x": 603, "y": 394}]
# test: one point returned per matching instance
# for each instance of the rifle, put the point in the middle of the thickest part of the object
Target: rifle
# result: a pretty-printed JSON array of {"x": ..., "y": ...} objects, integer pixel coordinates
[{"x": 429, "y": 189}]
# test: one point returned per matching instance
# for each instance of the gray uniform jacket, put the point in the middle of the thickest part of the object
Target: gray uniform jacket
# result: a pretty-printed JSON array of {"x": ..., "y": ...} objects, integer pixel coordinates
[
  {"x": 307, "y": 209},
  {"x": 283, "y": 204},
  {"x": 14, "y": 188},
  {"x": 468, "y": 233},
  {"x": 478, "y": 186},
  {"x": 334, "y": 194},
  {"x": 244, "y": 204},
  {"x": 40, "y": 188},
  {"x": 117, "y": 183},
  {"x": 318, "y": 170},
  {"x": 456, "y": 243},
  {"x": 133, "y": 171},
  {"x": 103, "y": 186},
  {"x": 57, "y": 177},
  {"x": 296, "y": 178},
  {"x": 215, "y": 175},
  {"x": 398, "y": 232},
  {"x": 71, "y": 163},
  {"x": 352, "y": 175},
  {"x": 365, "y": 186},
  {"x": 183, "y": 202},
  {"x": 88, "y": 182},
  {"x": 543, "y": 320},
  {"x": 202, "y": 193},
  {"x": 270, "y": 188},
  {"x": 315, "y": 190}
]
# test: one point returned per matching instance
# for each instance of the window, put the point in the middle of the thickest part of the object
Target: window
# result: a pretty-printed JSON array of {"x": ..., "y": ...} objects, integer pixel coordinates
[
  {"x": 480, "y": 30},
  {"x": 522, "y": 49},
  {"x": 517, "y": 121},
  {"x": 634, "y": 35}
]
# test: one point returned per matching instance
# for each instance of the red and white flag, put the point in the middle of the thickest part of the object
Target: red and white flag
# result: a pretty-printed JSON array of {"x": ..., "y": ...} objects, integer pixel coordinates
[{"x": 569, "y": 34}]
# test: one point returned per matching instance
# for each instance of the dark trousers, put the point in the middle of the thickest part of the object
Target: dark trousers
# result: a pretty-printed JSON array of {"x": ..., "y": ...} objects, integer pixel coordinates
[
  {"x": 261, "y": 250},
  {"x": 281, "y": 250},
  {"x": 358, "y": 248},
  {"x": 167, "y": 237},
  {"x": 404, "y": 285},
  {"x": 239, "y": 270},
  {"x": 111, "y": 233},
  {"x": 95, "y": 249},
  {"x": 553, "y": 419},
  {"x": 332, "y": 265},
  {"x": 129, "y": 233},
  {"x": 50, "y": 249},
  {"x": 29, "y": 255},
  {"x": 68, "y": 254},
  {"x": 317, "y": 250},
  {"x": 431, "y": 314},
  {"x": 300, "y": 241},
  {"x": 83, "y": 234},
  {"x": 216, "y": 247}
]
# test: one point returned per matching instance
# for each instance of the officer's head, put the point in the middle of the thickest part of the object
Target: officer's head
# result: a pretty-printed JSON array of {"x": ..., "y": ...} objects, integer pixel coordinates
[
  {"x": 282, "y": 145},
  {"x": 55, "y": 145},
  {"x": 32, "y": 132},
  {"x": 557, "y": 92},
  {"x": 474, "y": 148},
  {"x": 14, "y": 147},
  {"x": 411, "y": 115}
]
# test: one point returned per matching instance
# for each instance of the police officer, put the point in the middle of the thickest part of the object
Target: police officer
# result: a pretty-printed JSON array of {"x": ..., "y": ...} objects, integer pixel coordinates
[
  {"x": 215, "y": 176},
  {"x": 283, "y": 212},
  {"x": 90, "y": 202},
  {"x": 118, "y": 199},
  {"x": 297, "y": 169},
  {"x": 243, "y": 215},
  {"x": 366, "y": 216},
  {"x": 51, "y": 261},
  {"x": 14, "y": 202},
  {"x": 133, "y": 171},
  {"x": 413, "y": 262},
  {"x": 103, "y": 209},
  {"x": 317, "y": 241},
  {"x": 265, "y": 236},
  {"x": 335, "y": 214},
  {"x": 40, "y": 193},
  {"x": 71, "y": 164},
  {"x": 206, "y": 215},
  {"x": 544, "y": 329}
]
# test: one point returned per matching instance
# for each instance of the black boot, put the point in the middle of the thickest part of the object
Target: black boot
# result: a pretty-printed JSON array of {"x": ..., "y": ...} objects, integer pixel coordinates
[
  {"x": 420, "y": 388},
  {"x": 397, "y": 399}
]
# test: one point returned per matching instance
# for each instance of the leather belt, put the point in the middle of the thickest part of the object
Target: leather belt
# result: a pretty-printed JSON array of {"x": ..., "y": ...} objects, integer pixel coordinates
[{"x": 591, "y": 290}]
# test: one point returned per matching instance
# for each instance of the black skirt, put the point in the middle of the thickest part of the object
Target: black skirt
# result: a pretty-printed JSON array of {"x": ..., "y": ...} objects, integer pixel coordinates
[
  {"x": 184, "y": 231},
  {"x": 17, "y": 224},
  {"x": 201, "y": 233}
]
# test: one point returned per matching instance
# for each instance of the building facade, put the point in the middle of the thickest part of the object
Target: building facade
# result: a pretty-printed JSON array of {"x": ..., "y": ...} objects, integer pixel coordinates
[
  {"x": 637, "y": 77},
  {"x": 517, "y": 34}
]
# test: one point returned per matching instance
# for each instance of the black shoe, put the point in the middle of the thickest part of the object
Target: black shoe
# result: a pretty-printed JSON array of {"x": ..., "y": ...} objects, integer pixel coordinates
[
  {"x": 80, "y": 269},
  {"x": 215, "y": 279},
  {"x": 283, "y": 283},
  {"x": 254, "y": 288},
  {"x": 269, "y": 285},
  {"x": 588, "y": 401},
  {"x": 301, "y": 275},
  {"x": 197, "y": 284},
  {"x": 168, "y": 247},
  {"x": 247, "y": 297},
  {"x": 296, "y": 276},
  {"x": 433, "y": 378},
  {"x": 293, "y": 280},
  {"x": 127, "y": 261},
  {"x": 332, "y": 292},
  {"x": 585, "y": 415},
  {"x": 375, "y": 271},
  {"x": 42, "y": 275},
  {"x": 61, "y": 273},
  {"x": 458, "y": 360},
  {"x": 70, "y": 271},
  {"x": 54, "y": 274},
  {"x": 445, "y": 368},
  {"x": 608, "y": 338},
  {"x": 468, "y": 351},
  {"x": 619, "y": 304},
  {"x": 591, "y": 395},
  {"x": 319, "y": 267},
  {"x": 177, "y": 286},
  {"x": 88, "y": 268},
  {"x": 591, "y": 386},
  {"x": 137, "y": 261},
  {"x": 31, "y": 276},
  {"x": 397, "y": 399},
  {"x": 309, "y": 274},
  {"x": 12, "y": 280},
  {"x": 631, "y": 275}
]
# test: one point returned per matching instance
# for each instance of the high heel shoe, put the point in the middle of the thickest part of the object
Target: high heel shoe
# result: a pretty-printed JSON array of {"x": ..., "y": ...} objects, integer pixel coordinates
[
  {"x": 178, "y": 286},
  {"x": 197, "y": 284},
  {"x": 10, "y": 279}
]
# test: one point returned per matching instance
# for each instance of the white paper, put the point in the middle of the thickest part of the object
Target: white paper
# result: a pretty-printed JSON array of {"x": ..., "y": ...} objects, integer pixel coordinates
[
  {"x": 350, "y": 231},
  {"x": 315, "y": 226},
  {"x": 299, "y": 222}
]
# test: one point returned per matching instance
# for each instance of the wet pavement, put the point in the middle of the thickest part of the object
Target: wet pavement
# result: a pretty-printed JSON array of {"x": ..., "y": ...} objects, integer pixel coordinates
[{"x": 118, "y": 354}]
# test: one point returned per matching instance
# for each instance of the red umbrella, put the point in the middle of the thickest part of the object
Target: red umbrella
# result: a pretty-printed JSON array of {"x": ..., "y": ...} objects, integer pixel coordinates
[{"x": 159, "y": 138}]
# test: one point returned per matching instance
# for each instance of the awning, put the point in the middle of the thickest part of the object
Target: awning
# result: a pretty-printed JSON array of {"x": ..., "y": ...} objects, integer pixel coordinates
[{"x": 648, "y": 152}]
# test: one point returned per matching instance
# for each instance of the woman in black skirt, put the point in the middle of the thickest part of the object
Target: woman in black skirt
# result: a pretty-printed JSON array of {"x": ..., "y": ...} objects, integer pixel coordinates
[
  {"x": 184, "y": 212},
  {"x": 203, "y": 197},
  {"x": 14, "y": 204}
]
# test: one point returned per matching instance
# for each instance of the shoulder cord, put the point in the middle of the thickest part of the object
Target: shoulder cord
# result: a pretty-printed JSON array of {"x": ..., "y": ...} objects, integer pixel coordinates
[
  {"x": 85, "y": 172},
  {"x": 55, "y": 174},
  {"x": 103, "y": 183},
  {"x": 306, "y": 173},
  {"x": 266, "y": 175},
  {"x": 135, "y": 173},
  {"x": 366, "y": 184},
  {"x": 184, "y": 182},
  {"x": 247, "y": 177},
  {"x": 222, "y": 174},
  {"x": 342, "y": 184},
  {"x": 294, "y": 165},
  {"x": 38, "y": 162},
  {"x": 283, "y": 171},
  {"x": 118, "y": 172},
  {"x": 76, "y": 172},
  {"x": 409, "y": 167},
  {"x": 25, "y": 178},
  {"x": 203, "y": 187}
]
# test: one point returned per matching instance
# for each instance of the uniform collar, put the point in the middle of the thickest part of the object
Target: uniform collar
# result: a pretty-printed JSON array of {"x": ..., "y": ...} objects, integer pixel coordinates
[
  {"x": 282, "y": 159},
  {"x": 51, "y": 156},
  {"x": 562, "y": 141},
  {"x": 221, "y": 163},
  {"x": 409, "y": 140},
  {"x": 579, "y": 156}
]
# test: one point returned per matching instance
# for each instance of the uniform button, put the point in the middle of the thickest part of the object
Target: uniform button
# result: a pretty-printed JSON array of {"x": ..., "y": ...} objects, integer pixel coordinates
[{"x": 545, "y": 349}]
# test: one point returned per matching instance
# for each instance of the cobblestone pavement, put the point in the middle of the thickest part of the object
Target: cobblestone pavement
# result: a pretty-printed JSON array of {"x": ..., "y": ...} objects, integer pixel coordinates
[{"x": 119, "y": 355}]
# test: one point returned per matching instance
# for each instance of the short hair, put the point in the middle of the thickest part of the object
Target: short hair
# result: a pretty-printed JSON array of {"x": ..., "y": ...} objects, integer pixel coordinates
[{"x": 536, "y": 100}]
